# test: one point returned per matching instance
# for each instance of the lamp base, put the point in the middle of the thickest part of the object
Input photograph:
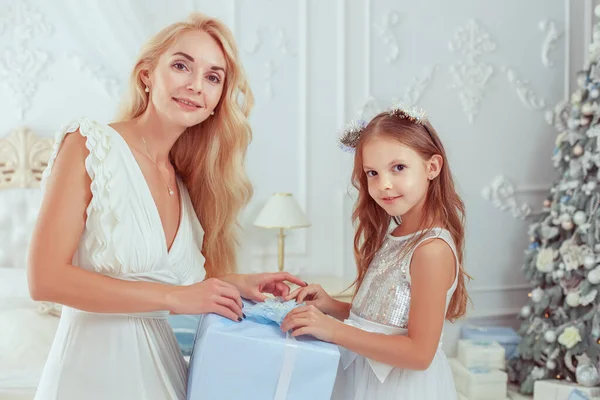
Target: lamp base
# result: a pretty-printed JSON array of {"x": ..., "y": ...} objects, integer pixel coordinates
[{"x": 280, "y": 252}]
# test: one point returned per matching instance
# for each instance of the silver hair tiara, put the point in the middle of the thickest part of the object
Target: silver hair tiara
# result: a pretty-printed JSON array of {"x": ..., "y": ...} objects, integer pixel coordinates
[{"x": 350, "y": 134}]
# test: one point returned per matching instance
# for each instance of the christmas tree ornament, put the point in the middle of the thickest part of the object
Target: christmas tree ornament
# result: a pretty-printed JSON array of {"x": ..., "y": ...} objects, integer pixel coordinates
[
  {"x": 525, "y": 312},
  {"x": 572, "y": 299},
  {"x": 537, "y": 294},
  {"x": 580, "y": 217},
  {"x": 587, "y": 375},
  {"x": 550, "y": 336},
  {"x": 593, "y": 277},
  {"x": 577, "y": 150},
  {"x": 589, "y": 262}
]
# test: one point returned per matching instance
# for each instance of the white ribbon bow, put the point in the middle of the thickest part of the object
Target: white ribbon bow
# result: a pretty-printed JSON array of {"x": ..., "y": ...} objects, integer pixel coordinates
[{"x": 347, "y": 357}]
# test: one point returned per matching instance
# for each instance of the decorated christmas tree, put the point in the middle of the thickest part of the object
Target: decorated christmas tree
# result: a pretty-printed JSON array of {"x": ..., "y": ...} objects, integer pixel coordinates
[{"x": 561, "y": 322}]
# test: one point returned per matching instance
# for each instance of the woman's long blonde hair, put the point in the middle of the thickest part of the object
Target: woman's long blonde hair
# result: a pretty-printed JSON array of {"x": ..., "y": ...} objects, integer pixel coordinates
[
  {"x": 210, "y": 156},
  {"x": 442, "y": 204}
]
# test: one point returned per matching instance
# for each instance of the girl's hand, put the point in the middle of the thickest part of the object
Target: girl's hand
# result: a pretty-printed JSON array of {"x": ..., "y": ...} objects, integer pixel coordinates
[
  {"x": 209, "y": 296},
  {"x": 308, "y": 320},
  {"x": 314, "y": 295},
  {"x": 252, "y": 286}
]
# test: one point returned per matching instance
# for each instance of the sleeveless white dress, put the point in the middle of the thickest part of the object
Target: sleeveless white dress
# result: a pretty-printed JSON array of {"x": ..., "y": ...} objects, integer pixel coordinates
[
  {"x": 382, "y": 305},
  {"x": 122, "y": 356}
]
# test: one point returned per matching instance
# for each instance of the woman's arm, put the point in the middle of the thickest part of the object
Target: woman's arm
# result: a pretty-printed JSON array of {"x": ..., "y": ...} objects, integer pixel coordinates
[
  {"x": 55, "y": 239},
  {"x": 432, "y": 274}
]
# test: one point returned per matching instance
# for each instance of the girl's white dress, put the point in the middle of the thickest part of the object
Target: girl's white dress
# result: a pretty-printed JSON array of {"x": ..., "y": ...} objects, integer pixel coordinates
[
  {"x": 382, "y": 305},
  {"x": 122, "y": 356}
]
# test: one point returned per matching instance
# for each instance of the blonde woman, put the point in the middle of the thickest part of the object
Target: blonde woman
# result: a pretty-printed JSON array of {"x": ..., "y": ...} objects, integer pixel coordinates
[{"x": 139, "y": 218}]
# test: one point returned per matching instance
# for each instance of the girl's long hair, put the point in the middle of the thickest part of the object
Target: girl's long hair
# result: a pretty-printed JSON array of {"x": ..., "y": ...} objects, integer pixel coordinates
[{"x": 442, "y": 204}]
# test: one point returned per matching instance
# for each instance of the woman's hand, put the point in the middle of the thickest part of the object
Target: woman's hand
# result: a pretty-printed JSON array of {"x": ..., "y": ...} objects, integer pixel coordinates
[
  {"x": 313, "y": 294},
  {"x": 308, "y": 320},
  {"x": 253, "y": 286},
  {"x": 209, "y": 296}
]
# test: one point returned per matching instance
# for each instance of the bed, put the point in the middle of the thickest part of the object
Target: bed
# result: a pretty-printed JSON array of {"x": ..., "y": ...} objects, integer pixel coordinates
[{"x": 27, "y": 327}]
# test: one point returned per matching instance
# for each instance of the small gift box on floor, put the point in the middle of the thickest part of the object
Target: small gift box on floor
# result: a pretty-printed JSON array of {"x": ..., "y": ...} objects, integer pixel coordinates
[
  {"x": 477, "y": 354},
  {"x": 562, "y": 390},
  {"x": 255, "y": 360},
  {"x": 479, "y": 383},
  {"x": 460, "y": 396},
  {"x": 505, "y": 336}
]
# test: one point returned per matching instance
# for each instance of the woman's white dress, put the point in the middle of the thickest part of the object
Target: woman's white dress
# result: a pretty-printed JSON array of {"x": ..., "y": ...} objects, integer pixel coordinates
[
  {"x": 382, "y": 305},
  {"x": 122, "y": 356}
]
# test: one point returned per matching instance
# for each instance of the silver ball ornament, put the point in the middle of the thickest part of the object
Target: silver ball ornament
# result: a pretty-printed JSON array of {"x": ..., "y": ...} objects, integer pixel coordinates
[
  {"x": 525, "y": 312},
  {"x": 580, "y": 217},
  {"x": 587, "y": 375},
  {"x": 572, "y": 299},
  {"x": 593, "y": 277},
  {"x": 550, "y": 336},
  {"x": 589, "y": 262},
  {"x": 536, "y": 295}
]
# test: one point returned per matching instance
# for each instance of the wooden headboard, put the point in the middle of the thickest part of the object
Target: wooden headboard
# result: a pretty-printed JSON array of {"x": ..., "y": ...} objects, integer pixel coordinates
[{"x": 23, "y": 158}]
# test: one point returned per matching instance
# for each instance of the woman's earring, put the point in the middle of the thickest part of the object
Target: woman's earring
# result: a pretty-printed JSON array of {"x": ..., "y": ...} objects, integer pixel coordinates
[
  {"x": 147, "y": 90},
  {"x": 212, "y": 113}
]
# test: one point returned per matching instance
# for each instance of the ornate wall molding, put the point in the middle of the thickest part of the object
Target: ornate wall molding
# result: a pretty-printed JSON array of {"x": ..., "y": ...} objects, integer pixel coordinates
[
  {"x": 387, "y": 35},
  {"x": 471, "y": 76},
  {"x": 21, "y": 63},
  {"x": 523, "y": 88},
  {"x": 501, "y": 193},
  {"x": 279, "y": 39},
  {"x": 549, "y": 43}
]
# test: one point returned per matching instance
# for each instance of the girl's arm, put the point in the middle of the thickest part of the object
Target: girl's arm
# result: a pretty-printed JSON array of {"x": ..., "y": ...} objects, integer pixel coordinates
[{"x": 432, "y": 273}]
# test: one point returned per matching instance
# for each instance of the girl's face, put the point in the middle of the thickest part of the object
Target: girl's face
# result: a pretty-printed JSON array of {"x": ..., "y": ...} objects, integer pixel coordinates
[
  {"x": 188, "y": 81},
  {"x": 397, "y": 176}
]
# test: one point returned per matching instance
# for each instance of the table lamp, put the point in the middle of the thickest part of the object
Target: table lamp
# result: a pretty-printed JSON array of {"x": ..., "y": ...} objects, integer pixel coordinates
[{"x": 282, "y": 212}]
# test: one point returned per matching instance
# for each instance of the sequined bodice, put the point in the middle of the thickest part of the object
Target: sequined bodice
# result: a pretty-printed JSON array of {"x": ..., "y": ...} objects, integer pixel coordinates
[{"x": 384, "y": 295}]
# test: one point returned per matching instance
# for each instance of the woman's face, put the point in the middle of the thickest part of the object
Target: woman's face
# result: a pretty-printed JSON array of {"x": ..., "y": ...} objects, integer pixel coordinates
[{"x": 188, "y": 81}]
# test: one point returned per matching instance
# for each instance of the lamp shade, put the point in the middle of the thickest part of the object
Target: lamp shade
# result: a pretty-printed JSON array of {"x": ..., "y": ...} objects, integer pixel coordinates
[{"x": 281, "y": 211}]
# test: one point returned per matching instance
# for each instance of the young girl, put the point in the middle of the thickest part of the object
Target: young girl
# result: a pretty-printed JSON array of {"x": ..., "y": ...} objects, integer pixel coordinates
[{"x": 409, "y": 280}]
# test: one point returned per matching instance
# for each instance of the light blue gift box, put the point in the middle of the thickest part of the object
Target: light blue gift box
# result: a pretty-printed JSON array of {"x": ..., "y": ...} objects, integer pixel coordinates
[
  {"x": 184, "y": 327},
  {"x": 253, "y": 360},
  {"x": 578, "y": 395},
  {"x": 507, "y": 337}
]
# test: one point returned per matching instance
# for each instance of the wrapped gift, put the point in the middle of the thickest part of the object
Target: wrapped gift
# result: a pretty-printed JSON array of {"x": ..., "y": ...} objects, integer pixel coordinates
[
  {"x": 479, "y": 383},
  {"x": 460, "y": 396},
  {"x": 255, "y": 360},
  {"x": 184, "y": 327},
  {"x": 579, "y": 395},
  {"x": 507, "y": 337},
  {"x": 562, "y": 390},
  {"x": 477, "y": 354}
]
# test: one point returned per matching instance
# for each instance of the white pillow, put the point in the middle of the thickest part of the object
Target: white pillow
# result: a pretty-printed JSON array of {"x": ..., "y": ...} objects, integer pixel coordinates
[
  {"x": 26, "y": 334},
  {"x": 18, "y": 212}
]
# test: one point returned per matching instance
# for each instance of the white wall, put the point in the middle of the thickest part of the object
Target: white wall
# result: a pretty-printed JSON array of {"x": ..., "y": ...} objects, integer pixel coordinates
[{"x": 314, "y": 65}]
